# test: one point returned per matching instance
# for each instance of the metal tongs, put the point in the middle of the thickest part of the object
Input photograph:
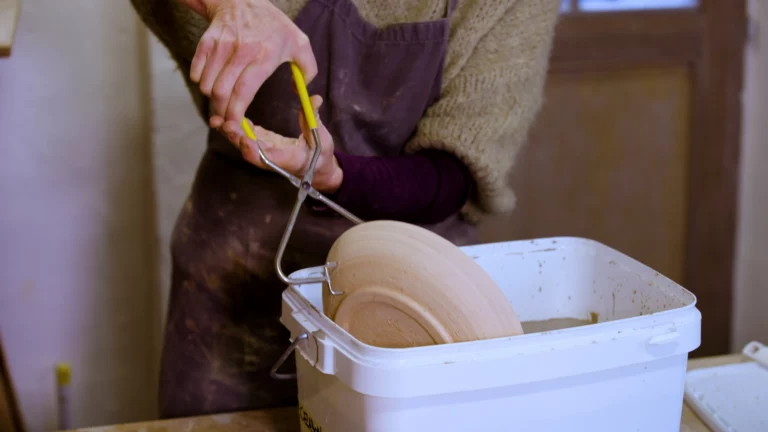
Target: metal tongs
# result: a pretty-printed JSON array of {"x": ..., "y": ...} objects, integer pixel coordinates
[{"x": 304, "y": 185}]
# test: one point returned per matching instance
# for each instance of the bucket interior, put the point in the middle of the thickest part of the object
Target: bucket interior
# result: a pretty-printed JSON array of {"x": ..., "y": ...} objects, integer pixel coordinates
[{"x": 565, "y": 282}]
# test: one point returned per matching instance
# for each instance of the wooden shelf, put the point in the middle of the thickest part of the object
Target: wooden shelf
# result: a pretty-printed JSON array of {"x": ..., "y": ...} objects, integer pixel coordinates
[{"x": 9, "y": 17}]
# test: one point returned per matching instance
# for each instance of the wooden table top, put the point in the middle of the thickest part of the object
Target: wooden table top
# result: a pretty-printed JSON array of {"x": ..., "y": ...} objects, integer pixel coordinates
[{"x": 286, "y": 420}]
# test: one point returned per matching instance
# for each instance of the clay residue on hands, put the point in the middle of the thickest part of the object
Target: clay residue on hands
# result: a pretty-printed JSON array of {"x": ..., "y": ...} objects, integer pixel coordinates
[{"x": 272, "y": 139}]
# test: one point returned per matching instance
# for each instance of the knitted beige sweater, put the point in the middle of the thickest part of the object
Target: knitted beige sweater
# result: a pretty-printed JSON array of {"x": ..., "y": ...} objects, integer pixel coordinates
[{"x": 493, "y": 81}]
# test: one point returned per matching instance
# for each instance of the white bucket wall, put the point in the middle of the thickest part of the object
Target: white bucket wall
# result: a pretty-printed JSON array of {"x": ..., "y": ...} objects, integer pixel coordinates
[{"x": 624, "y": 373}]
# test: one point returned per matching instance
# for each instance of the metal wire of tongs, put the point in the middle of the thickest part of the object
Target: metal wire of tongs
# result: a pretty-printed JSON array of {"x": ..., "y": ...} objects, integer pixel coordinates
[{"x": 304, "y": 185}]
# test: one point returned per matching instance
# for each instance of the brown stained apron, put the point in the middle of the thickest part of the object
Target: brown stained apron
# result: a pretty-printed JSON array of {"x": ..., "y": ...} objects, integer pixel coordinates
[{"x": 223, "y": 332}]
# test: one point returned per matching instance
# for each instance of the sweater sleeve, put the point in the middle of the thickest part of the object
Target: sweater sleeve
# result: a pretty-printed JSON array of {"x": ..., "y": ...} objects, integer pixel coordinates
[
  {"x": 426, "y": 187},
  {"x": 490, "y": 98}
]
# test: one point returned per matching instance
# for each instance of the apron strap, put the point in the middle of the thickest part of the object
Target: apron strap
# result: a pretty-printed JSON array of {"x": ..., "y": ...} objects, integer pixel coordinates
[{"x": 451, "y": 7}]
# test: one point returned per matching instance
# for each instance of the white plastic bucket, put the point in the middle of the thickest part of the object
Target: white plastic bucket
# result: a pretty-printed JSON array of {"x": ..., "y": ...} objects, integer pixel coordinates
[{"x": 624, "y": 373}]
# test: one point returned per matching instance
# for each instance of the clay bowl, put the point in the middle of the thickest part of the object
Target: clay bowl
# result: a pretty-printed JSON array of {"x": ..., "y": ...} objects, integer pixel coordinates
[{"x": 405, "y": 286}]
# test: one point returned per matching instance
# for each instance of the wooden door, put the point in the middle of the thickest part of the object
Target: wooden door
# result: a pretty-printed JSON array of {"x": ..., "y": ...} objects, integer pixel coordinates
[{"x": 637, "y": 144}]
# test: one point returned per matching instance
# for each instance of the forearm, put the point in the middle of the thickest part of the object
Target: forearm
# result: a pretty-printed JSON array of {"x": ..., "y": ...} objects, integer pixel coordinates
[{"x": 427, "y": 187}]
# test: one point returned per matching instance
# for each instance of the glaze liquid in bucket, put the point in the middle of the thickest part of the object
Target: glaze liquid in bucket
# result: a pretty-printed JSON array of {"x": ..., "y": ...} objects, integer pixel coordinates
[
  {"x": 622, "y": 372},
  {"x": 552, "y": 324}
]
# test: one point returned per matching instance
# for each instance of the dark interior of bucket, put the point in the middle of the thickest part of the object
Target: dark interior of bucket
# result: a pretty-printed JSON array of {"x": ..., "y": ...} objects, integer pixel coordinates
[{"x": 557, "y": 324}]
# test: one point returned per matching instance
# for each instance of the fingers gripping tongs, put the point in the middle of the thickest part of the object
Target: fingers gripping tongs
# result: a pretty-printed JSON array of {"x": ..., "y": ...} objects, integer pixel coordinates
[{"x": 304, "y": 185}]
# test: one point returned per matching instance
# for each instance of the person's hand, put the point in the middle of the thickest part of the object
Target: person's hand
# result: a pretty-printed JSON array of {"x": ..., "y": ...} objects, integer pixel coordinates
[
  {"x": 243, "y": 45},
  {"x": 294, "y": 154}
]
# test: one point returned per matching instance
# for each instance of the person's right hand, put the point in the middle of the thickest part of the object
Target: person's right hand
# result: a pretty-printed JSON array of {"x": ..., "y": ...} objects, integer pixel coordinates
[{"x": 243, "y": 45}]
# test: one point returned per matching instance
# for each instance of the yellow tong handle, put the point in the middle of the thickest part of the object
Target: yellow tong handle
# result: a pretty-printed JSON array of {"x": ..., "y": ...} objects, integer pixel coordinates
[{"x": 306, "y": 105}]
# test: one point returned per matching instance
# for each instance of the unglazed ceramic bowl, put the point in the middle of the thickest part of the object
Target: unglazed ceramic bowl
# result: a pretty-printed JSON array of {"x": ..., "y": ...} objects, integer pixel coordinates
[{"x": 405, "y": 286}]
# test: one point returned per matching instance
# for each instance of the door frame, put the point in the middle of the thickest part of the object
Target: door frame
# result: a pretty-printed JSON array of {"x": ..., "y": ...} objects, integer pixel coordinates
[{"x": 710, "y": 41}]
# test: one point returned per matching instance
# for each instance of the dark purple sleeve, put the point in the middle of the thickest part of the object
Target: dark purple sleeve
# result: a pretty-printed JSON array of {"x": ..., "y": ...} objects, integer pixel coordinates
[{"x": 427, "y": 187}]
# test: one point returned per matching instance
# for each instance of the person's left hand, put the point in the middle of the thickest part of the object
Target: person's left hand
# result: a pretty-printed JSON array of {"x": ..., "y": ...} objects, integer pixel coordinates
[{"x": 293, "y": 154}]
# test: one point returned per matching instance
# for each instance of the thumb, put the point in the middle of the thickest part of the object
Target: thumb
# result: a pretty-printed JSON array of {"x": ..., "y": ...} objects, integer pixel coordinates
[
  {"x": 250, "y": 151},
  {"x": 316, "y": 102},
  {"x": 249, "y": 129},
  {"x": 284, "y": 157}
]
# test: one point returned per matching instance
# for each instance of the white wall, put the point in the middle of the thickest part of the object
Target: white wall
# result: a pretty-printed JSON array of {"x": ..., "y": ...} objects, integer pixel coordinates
[
  {"x": 178, "y": 137},
  {"x": 751, "y": 292},
  {"x": 76, "y": 212}
]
